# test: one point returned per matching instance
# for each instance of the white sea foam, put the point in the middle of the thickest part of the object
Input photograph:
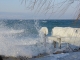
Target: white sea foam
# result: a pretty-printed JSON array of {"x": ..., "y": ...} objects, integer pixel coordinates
[
  {"x": 27, "y": 47},
  {"x": 12, "y": 46},
  {"x": 11, "y": 31}
]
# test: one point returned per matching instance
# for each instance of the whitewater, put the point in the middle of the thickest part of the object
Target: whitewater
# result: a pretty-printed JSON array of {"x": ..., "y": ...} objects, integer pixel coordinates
[
  {"x": 13, "y": 43},
  {"x": 22, "y": 37}
]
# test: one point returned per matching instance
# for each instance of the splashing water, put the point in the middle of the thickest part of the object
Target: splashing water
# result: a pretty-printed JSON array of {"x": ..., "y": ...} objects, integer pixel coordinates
[{"x": 21, "y": 38}]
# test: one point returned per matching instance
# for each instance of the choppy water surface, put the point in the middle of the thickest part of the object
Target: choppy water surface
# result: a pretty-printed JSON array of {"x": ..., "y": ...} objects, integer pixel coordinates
[{"x": 22, "y": 38}]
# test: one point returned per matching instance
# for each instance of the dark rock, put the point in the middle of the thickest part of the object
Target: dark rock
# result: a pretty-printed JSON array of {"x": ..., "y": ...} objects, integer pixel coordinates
[{"x": 1, "y": 58}]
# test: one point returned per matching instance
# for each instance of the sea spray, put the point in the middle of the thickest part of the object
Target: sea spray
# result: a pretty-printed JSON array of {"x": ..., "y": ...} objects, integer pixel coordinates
[
  {"x": 41, "y": 36},
  {"x": 22, "y": 37}
]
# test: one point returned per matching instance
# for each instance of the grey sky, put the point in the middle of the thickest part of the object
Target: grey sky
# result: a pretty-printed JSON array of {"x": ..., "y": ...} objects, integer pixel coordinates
[{"x": 13, "y": 9}]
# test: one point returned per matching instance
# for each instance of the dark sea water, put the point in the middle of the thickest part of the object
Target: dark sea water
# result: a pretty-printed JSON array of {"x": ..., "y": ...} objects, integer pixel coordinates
[
  {"x": 31, "y": 27},
  {"x": 59, "y": 23}
]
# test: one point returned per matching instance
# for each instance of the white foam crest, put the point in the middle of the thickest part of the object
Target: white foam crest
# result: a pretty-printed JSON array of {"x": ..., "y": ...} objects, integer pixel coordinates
[
  {"x": 7, "y": 32},
  {"x": 16, "y": 31},
  {"x": 12, "y": 31}
]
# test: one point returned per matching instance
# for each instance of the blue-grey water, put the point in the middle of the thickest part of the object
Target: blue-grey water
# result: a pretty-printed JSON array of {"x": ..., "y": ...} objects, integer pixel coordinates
[
  {"x": 31, "y": 27},
  {"x": 21, "y": 37}
]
